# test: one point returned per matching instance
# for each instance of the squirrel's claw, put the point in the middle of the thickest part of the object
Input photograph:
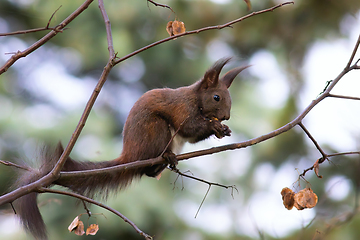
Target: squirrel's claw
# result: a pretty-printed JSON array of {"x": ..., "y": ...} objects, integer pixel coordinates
[
  {"x": 220, "y": 130},
  {"x": 170, "y": 157}
]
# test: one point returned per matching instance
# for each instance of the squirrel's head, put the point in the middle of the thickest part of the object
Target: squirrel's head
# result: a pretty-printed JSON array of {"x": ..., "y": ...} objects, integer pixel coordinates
[{"x": 213, "y": 94}]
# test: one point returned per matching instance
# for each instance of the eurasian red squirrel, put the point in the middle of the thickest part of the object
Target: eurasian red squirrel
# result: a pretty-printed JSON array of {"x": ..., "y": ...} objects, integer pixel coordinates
[{"x": 192, "y": 113}]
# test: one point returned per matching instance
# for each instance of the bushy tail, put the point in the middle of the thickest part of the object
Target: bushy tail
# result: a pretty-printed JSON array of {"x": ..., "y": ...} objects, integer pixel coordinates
[
  {"x": 97, "y": 184},
  {"x": 26, "y": 207},
  {"x": 100, "y": 184}
]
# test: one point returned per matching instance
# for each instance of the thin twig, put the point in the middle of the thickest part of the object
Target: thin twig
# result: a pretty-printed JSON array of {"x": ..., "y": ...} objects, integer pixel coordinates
[
  {"x": 46, "y": 38},
  {"x": 324, "y": 155},
  {"x": 200, "y": 30},
  {"x": 208, "y": 183},
  {"x": 342, "y": 153},
  {"x": 353, "y": 54},
  {"x": 108, "y": 29},
  {"x": 344, "y": 97},
  {"x": 173, "y": 136},
  {"x": 35, "y": 29},
  {"x": 86, "y": 208},
  {"x": 30, "y": 31},
  {"x": 205, "y": 181},
  {"x": 7, "y": 163},
  {"x": 203, "y": 200},
  {"x": 13, "y": 208},
  {"x": 83, "y": 198},
  {"x": 52, "y": 15},
  {"x": 160, "y": 5},
  {"x": 302, "y": 175},
  {"x": 322, "y": 160}
]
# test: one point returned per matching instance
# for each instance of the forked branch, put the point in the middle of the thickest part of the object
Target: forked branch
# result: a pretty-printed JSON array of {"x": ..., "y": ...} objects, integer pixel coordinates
[
  {"x": 46, "y": 38},
  {"x": 47, "y": 27},
  {"x": 89, "y": 200}
]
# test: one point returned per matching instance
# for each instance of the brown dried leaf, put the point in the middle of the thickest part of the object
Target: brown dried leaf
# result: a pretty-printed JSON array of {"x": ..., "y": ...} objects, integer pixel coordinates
[
  {"x": 92, "y": 229},
  {"x": 305, "y": 198},
  {"x": 248, "y": 3},
  {"x": 288, "y": 198},
  {"x": 169, "y": 28},
  {"x": 80, "y": 229},
  {"x": 178, "y": 27},
  {"x": 158, "y": 176},
  {"x": 175, "y": 27},
  {"x": 316, "y": 168},
  {"x": 74, "y": 224}
]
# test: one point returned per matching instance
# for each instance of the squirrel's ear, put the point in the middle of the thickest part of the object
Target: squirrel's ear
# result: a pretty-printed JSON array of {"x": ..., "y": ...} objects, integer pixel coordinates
[
  {"x": 211, "y": 77},
  {"x": 230, "y": 75}
]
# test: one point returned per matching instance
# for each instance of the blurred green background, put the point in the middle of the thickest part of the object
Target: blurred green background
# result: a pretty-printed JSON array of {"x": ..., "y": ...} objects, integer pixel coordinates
[{"x": 294, "y": 51}]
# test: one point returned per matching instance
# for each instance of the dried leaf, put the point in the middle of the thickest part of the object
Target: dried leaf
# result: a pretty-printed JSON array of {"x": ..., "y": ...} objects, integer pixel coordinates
[
  {"x": 80, "y": 229},
  {"x": 248, "y": 3},
  {"x": 158, "y": 176},
  {"x": 305, "y": 198},
  {"x": 169, "y": 28},
  {"x": 74, "y": 224},
  {"x": 178, "y": 27},
  {"x": 316, "y": 168},
  {"x": 92, "y": 229},
  {"x": 288, "y": 198},
  {"x": 175, "y": 27}
]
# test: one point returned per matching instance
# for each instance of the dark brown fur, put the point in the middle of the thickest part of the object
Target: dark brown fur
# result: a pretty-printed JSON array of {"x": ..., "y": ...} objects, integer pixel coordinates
[{"x": 193, "y": 110}]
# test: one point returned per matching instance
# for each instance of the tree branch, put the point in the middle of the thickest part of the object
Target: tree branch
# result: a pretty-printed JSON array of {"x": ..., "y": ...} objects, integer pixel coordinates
[
  {"x": 344, "y": 97},
  {"x": 160, "y": 5},
  {"x": 46, "y": 38},
  {"x": 210, "y": 184},
  {"x": 108, "y": 29},
  {"x": 33, "y": 30},
  {"x": 353, "y": 54},
  {"x": 324, "y": 155},
  {"x": 89, "y": 200},
  {"x": 7, "y": 163},
  {"x": 200, "y": 30},
  {"x": 342, "y": 153}
]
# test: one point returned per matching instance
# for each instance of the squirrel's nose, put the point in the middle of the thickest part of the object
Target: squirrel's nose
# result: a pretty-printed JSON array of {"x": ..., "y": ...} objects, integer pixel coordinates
[{"x": 225, "y": 118}]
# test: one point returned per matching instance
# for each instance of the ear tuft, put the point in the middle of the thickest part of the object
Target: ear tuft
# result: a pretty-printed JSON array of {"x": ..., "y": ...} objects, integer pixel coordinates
[
  {"x": 211, "y": 77},
  {"x": 230, "y": 75}
]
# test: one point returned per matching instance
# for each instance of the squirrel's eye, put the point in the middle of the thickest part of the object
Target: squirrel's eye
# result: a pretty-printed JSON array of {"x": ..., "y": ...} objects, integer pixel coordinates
[{"x": 217, "y": 98}]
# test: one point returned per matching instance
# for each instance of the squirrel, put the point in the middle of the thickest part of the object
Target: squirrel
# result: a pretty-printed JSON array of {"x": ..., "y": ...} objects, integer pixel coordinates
[{"x": 161, "y": 118}]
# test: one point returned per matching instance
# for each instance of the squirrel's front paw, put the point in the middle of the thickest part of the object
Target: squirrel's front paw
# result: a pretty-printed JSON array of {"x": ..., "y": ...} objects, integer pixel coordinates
[
  {"x": 221, "y": 130},
  {"x": 170, "y": 157},
  {"x": 226, "y": 130}
]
